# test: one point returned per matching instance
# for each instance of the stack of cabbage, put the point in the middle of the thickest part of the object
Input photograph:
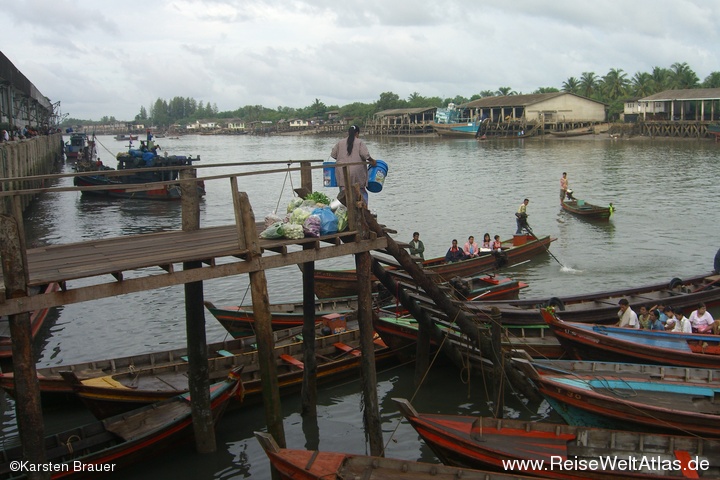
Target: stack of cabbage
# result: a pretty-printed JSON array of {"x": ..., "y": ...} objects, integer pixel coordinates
[{"x": 309, "y": 217}]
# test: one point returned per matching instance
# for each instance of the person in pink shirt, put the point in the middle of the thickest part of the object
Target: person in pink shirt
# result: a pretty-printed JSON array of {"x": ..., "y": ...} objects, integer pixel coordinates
[
  {"x": 471, "y": 248},
  {"x": 702, "y": 321}
]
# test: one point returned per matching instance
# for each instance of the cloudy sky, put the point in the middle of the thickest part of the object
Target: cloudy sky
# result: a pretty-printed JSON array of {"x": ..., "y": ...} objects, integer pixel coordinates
[{"x": 110, "y": 58}]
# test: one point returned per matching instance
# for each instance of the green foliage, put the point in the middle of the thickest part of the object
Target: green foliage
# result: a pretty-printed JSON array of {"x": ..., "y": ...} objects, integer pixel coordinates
[{"x": 318, "y": 197}]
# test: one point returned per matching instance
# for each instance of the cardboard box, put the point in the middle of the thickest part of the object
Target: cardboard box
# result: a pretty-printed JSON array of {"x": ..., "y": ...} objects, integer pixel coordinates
[{"x": 335, "y": 322}]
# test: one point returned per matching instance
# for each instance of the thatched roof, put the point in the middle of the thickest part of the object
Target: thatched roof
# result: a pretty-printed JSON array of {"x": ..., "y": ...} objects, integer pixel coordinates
[{"x": 685, "y": 94}]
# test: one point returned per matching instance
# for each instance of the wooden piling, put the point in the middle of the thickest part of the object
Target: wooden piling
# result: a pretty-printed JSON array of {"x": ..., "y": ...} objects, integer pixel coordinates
[
  {"x": 198, "y": 371},
  {"x": 497, "y": 358},
  {"x": 27, "y": 406},
  {"x": 263, "y": 319}
]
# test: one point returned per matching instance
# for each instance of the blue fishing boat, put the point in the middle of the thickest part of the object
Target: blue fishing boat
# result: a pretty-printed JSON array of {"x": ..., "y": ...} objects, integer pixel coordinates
[
  {"x": 584, "y": 341},
  {"x": 617, "y": 396}
]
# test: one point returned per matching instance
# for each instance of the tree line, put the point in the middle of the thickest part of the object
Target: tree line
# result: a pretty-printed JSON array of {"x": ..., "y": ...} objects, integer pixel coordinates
[{"x": 613, "y": 89}]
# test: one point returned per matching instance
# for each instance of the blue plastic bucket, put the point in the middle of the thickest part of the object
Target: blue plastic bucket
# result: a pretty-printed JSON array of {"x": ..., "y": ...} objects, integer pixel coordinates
[
  {"x": 329, "y": 179},
  {"x": 376, "y": 176}
]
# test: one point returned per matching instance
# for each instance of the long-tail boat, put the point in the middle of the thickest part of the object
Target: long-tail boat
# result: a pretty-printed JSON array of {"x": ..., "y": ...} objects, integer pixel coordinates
[
  {"x": 338, "y": 356},
  {"x": 551, "y": 450},
  {"x": 651, "y": 399},
  {"x": 37, "y": 319},
  {"x": 338, "y": 283},
  {"x": 106, "y": 446},
  {"x": 584, "y": 341},
  {"x": 55, "y": 389},
  {"x": 602, "y": 307},
  {"x": 313, "y": 465}
]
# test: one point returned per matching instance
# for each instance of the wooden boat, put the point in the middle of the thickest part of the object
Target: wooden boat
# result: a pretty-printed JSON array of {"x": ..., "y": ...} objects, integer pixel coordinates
[
  {"x": 401, "y": 334},
  {"x": 338, "y": 356},
  {"x": 125, "y": 137},
  {"x": 108, "y": 445},
  {"x": 544, "y": 448},
  {"x": 239, "y": 321},
  {"x": 584, "y": 341},
  {"x": 666, "y": 399},
  {"x": 55, "y": 389},
  {"x": 37, "y": 319},
  {"x": 584, "y": 209},
  {"x": 132, "y": 184},
  {"x": 602, "y": 307},
  {"x": 313, "y": 465},
  {"x": 75, "y": 146},
  {"x": 577, "y": 132},
  {"x": 339, "y": 283},
  {"x": 456, "y": 130}
]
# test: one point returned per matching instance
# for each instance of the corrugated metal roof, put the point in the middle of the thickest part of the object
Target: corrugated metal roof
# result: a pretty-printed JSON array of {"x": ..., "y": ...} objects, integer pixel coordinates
[
  {"x": 518, "y": 100},
  {"x": 685, "y": 94},
  {"x": 404, "y": 111}
]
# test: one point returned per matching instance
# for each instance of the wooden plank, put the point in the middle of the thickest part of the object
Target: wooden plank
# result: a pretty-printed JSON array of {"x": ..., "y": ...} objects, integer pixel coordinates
[
  {"x": 347, "y": 349},
  {"x": 292, "y": 361}
]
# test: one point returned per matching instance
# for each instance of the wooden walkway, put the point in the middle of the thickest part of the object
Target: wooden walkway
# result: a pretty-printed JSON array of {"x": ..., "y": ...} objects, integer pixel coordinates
[{"x": 136, "y": 263}]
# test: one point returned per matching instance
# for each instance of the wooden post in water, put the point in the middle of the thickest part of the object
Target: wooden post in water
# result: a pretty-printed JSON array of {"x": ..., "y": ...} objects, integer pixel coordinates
[
  {"x": 198, "y": 371},
  {"x": 497, "y": 359},
  {"x": 263, "y": 319},
  {"x": 308, "y": 393},
  {"x": 368, "y": 374},
  {"x": 27, "y": 406}
]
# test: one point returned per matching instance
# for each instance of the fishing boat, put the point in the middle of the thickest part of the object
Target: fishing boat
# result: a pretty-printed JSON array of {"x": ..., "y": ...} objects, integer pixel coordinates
[
  {"x": 77, "y": 146},
  {"x": 400, "y": 333},
  {"x": 576, "y": 132},
  {"x": 456, "y": 130},
  {"x": 37, "y": 319},
  {"x": 125, "y": 137},
  {"x": 339, "y": 283},
  {"x": 338, "y": 356},
  {"x": 239, "y": 321},
  {"x": 54, "y": 389},
  {"x": 585, "y": 341},
  {"x": 314, "y": 465},
  {"x": 602, "y": 307},
  {"x": 551, "y": 450},
  {"x": 106, "y": 446},
  {"x": 142, "y": 169},
  {"x": 656, "y": 399},
  {"x": 584, "y": 209}
]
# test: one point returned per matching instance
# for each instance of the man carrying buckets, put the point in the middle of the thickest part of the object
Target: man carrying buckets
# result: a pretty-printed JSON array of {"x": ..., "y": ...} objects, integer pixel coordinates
[{"x": 353, "y": 150}]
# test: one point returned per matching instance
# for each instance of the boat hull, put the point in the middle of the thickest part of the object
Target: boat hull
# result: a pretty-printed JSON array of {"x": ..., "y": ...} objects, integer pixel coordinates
[
  {"x": 124, "y": 189},
  {"x": 587, "y": 210},
  {"x": 340, "y": 283}
]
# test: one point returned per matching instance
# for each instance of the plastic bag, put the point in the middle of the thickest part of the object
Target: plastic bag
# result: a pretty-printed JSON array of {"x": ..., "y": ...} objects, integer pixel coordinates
[
  {"x": 272, "y": 218},
  {"x": 300, "y": 214},
  {"x": 311, "y": 226},
  {"x": 276, "y": 230},
  {"x": 294, "y": 203},
  {"x": 293, "y": 231},
  {"x": 328, "y": 220},
  {"x": 342, "y": 216}
]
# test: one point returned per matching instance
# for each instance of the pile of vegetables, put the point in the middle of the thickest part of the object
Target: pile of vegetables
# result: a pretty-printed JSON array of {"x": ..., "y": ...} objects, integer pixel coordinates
[{"x": 311, "y": 216}]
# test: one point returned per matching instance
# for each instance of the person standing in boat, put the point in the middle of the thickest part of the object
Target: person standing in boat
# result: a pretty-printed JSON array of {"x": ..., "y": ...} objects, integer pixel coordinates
[
  {"x": 352, "y": 150},
  {"x": 521, "y": 217},
  {"x": 563, "y": 186},
  {"x": 416, "y": 246},
  {"x": 627, "y": 317}
]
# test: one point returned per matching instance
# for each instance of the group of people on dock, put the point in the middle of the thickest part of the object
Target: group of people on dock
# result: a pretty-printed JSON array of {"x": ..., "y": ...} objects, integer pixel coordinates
[{"x": 667, "y": 318}]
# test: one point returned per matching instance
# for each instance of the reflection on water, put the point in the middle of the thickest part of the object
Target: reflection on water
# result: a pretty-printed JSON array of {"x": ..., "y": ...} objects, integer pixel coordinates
[{"x": 444, "y": 189}]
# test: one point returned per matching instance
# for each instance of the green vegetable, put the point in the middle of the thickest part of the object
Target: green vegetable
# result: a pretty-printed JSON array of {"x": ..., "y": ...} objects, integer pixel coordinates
[{"x": 318, "y": 197}]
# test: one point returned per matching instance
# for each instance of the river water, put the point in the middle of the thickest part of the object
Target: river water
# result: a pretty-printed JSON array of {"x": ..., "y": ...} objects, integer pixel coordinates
[{"x": 665, "y": 226}]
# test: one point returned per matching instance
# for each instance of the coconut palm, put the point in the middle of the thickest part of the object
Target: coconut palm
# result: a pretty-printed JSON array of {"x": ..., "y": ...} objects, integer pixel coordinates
[
  {"x": 642, "y": 84},
  {"x": 571, "y": 85},
  {"x": 503, "y": 91},
  {"x": 588, "y": 84},
  {"x": 712, "y": 80},
  {"x": 615, "y": 84},
  {"x": 682, "y": 76}
]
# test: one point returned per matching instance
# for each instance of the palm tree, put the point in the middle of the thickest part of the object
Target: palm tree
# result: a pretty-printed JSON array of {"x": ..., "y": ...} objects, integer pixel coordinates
[
  {"x": 615, "y": 83},
  {"x": 642, "y": 84},
  {"x": 712, "y": 80},
  {"x": 571, "y": 85},
  {"x": 660, "y": 79},
  {"x": 503, "y": 91},
  {"x": 682, "y": 76},
  {"x": 588, "y": 84},
  {"x": 487, "y": 93}
]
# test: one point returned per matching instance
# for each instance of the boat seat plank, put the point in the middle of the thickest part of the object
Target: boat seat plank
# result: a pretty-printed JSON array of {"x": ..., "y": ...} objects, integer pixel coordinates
[
  {"x": 225, "y": 353},
  {"x": 148, "y": 420},
  {"x": 292, "y": 361},
  {"x": 347, "y": 348},
  {"x": 685, "y": 458}
]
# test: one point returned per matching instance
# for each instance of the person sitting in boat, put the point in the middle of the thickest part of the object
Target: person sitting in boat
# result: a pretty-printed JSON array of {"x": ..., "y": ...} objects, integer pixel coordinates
[
  {"x": 486, "y": 244},
  {"x": 627, "y": 317},
  {"x": 471, "y": 248},
  {"x": 702, "y": 321},
  {"x": 497, "y": 244},
  {"x": 676, "y": 321},
  {"x": 644, "y": 318},
  {"x": 655, "y": 323},
  {"x": 454, "y": 253}
]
